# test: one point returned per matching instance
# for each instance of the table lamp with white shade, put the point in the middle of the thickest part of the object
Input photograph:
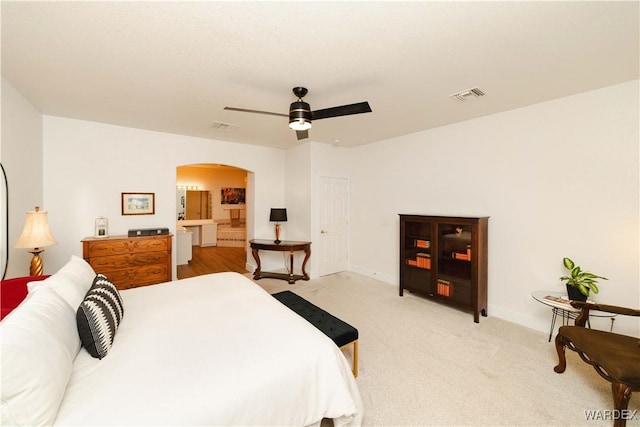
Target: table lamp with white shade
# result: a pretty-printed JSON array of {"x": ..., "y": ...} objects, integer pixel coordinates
[{"x": 36, "y": 235}]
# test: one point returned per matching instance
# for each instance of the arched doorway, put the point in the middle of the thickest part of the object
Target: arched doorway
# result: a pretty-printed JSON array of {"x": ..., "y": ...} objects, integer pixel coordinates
[{"x": 211, "y": 206}]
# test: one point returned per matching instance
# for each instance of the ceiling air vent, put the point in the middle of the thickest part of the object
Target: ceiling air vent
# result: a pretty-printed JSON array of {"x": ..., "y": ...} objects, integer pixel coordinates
[
  {"x": 224, "y": 127},
  {"x": 466, "y": 94}
]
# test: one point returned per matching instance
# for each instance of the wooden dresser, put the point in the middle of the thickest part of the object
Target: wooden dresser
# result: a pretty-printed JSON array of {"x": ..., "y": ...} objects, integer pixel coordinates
[{"x": 130, "y": 262}]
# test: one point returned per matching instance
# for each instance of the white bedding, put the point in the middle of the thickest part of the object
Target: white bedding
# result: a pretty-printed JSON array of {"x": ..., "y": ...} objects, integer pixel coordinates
[{"x": 211, "y": 350}]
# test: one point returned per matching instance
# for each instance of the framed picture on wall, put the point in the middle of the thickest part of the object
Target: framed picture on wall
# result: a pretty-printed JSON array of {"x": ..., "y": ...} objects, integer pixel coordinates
[
  {"x": 232, "y": 196},
  {"x": 138, "y": 204}
]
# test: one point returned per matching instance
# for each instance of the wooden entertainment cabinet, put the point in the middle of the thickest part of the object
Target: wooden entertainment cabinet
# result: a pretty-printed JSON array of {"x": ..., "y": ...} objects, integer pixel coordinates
[
  {"x": 130, "y": 262},
  {"x": 445, "y": 259}
]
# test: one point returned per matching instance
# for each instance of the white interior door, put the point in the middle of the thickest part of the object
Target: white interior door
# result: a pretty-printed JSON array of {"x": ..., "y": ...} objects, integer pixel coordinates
[{"x": 334, "y": 225}]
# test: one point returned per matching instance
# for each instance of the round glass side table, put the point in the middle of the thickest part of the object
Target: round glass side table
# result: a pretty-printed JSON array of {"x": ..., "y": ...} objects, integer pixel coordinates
[{"x": 561, "y": 306}]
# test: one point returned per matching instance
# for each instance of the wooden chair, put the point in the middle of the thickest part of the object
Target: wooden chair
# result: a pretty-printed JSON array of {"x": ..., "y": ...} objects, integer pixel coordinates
[{"x": 615, "y": 357}]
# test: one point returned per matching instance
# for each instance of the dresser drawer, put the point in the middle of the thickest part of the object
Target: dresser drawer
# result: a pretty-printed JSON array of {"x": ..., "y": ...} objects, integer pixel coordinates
[
  {"x": 111, "y": 247},
  {"x": 126, "y": 278},
  {"x": 105, "y": 264}
]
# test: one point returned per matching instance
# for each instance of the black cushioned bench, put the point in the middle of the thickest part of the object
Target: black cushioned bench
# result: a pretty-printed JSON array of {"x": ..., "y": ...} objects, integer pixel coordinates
[{"x": 340, "y": 332}]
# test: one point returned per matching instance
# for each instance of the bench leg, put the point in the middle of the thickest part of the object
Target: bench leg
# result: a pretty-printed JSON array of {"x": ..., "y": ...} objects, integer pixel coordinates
[{"x": 355, "y": 357}]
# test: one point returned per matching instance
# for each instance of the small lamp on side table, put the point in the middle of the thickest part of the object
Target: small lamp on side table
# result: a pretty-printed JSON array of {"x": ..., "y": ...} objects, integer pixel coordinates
[
  {"x": 278, "y": 215},
  {"x": 36, "y": 235}
]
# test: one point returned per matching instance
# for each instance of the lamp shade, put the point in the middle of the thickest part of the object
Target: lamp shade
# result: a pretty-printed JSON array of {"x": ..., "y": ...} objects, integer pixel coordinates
[
  {"x": 278, "y": 215},
  {"x": 300, "y": 116},
  {"x": 36, "y": 233}
]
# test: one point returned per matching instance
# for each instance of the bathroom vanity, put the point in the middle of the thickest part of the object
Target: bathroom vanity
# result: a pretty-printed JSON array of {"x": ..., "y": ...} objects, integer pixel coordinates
[{"x": 205, "y": 231}]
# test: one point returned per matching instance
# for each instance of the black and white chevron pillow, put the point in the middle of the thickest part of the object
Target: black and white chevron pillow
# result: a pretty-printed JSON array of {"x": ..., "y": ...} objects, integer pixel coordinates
[{"x": 99, "y": 316}]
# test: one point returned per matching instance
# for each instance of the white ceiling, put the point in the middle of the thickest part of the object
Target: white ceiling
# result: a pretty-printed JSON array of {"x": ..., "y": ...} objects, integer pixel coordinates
[{"x": 173, "y": 66}]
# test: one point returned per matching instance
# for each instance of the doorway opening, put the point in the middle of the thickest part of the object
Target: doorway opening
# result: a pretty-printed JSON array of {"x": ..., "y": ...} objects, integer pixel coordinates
[{"x": 211, "y": 219}]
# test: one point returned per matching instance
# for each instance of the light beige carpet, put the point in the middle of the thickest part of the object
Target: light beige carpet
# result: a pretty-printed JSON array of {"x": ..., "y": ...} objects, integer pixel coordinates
[{"x": 422, "y": 363}]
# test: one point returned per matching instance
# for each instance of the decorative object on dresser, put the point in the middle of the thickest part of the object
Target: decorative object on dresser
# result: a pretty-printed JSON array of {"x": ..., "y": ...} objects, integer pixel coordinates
[
  {"x": 445, "y": 258},
  {"x": 138, "y": 204},
  {"x": 36, "y": 235},
  {"x": 135, "y": 232},
  {"x": 130, "y": 262},
  {"x": 278, "y": 215},
  {"x": 102, "y": 227}
]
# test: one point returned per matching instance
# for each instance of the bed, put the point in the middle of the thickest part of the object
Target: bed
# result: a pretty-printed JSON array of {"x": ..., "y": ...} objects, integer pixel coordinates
[{"x": 208, "y": 350}]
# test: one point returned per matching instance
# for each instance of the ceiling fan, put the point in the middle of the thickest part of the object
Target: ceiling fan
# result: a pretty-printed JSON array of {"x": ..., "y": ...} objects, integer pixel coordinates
[{"x": 301, "y": 116}]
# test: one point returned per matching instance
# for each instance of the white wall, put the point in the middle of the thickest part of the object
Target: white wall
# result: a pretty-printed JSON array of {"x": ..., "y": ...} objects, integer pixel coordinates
[
  {"x": 297, "y": 202},
  {"x": 88, "y": 165},
  {"x": 558, "y": 179},
  {"x": 21, "y": 156},
  {"x": 298, "y": 193},
  {"x": 306, "y": 164}
]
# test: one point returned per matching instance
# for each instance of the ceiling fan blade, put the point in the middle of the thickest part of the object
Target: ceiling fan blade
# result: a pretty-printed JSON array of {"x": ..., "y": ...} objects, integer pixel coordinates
[
  {"x": 244, "y": 110},
  {"x": 344, "y": 110},
  {"x": 302, "y": 134}
]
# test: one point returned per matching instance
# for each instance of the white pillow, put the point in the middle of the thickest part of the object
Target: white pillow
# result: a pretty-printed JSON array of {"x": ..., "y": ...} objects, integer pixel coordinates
[
  {"x": 71, "y": 282},
  {"x": 38, "y": 342}
]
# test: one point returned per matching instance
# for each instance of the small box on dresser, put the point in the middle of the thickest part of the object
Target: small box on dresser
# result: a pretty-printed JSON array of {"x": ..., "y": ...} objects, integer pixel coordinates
[{"x": 130, "y": 262}]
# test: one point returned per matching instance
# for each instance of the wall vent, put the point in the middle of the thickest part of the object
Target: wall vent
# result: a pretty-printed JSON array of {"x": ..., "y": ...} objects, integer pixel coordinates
[
  {"x": 224, "y": 127},
  {"x": 466, "y": 94}
]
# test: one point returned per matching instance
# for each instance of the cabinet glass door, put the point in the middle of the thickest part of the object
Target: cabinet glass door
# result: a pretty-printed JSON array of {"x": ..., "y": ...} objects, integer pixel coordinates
[
  {"x": 417, "y": 255},
  {"x": 455, "y": 256}
]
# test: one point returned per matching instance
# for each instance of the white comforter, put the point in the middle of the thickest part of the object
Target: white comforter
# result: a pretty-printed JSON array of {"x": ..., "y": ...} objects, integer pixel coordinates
[{"x": 211, "y": 350}]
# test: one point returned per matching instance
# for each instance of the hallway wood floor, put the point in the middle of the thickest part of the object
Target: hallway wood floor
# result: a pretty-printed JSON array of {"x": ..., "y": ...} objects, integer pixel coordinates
[{"x": 214, "y": 259}]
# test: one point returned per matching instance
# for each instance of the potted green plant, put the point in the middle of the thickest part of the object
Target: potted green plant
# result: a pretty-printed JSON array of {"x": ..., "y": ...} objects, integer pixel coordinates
[{"x": 579, "y": 283}]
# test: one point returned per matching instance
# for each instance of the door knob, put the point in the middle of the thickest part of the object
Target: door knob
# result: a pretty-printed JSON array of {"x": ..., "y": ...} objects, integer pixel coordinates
[{"x": 323, "y": 232}]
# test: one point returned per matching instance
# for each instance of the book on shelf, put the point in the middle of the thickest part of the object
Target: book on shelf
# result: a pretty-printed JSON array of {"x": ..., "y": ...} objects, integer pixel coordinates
[
  {"x": 444, "y": 288},
  {"x": 423, "y": 260},
  {"x": 420, "y": 262},
  {"x": 461, "y": 256},
  {"x": 421, "y": 243},
  {"x": 465, "y": 256}
]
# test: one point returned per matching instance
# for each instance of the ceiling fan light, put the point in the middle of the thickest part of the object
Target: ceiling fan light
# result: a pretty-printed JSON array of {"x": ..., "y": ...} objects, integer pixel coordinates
[
  {"x": 300, "y": 124},
  {"x": 300, "y": 116}
]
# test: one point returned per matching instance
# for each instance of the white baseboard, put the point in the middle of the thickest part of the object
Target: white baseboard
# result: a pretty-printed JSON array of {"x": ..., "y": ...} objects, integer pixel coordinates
[{"x": 391, "y": 280}]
